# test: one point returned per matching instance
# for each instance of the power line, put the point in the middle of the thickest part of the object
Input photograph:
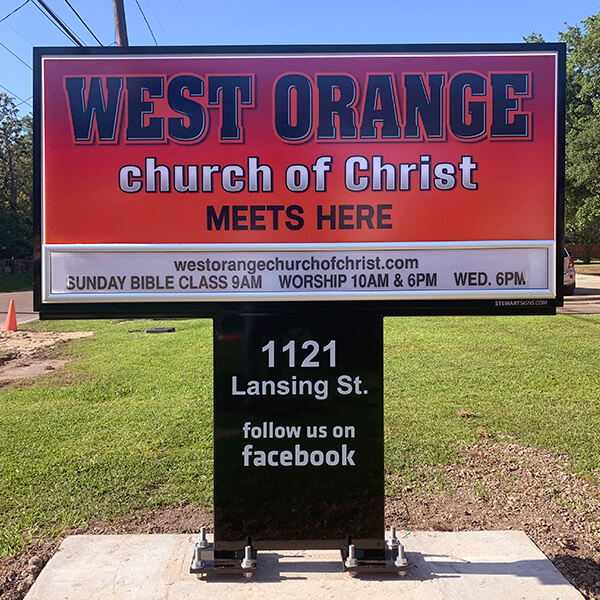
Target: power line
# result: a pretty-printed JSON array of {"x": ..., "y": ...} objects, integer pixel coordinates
[
  {"x": 158, "y": 20},
  {"x": 17, "y": 57},
  {"x": 12, "y": 12},
  {"x": 59, "y": 22},
  {"x": 51, "y": 21},
  {"x": 191, "y": 20},
  {"x": 84, "y": 23},
  {"x": 24, "y": 102},
  {"x": 17, "y": 97},
  {"x": 147, "y": 24},
  {"x": 19, "y": 34}
]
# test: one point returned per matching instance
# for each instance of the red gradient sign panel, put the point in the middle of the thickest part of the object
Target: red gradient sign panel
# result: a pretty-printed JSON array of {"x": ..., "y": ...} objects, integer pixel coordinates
[{"x": 278, "y": 151}]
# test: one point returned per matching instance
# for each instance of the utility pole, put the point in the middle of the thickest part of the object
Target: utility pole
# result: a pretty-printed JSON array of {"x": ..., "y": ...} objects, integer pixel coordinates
[{"x": 120, "y": 24}]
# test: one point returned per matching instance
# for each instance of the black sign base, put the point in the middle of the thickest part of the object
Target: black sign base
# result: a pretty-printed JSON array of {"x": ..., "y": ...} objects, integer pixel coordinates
[{"x": 298, "y": 440}]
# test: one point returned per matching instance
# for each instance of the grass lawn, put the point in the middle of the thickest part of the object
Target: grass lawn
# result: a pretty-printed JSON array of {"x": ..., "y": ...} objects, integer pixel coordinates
[
  {"x": 593, "y": 268},
  {"x": 15, "y": 283},
  {"x": 535, "y": 378},
  {"x": 128, "y": 425}
]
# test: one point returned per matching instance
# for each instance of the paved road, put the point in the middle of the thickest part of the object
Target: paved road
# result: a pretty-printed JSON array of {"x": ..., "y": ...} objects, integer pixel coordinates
[
  {"x": 586, "y": 301},
  {"x": 23, "y": 306}
]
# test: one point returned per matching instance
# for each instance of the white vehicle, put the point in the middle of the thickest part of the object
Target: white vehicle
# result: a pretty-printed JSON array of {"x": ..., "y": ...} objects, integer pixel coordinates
[{"x": 569, "y": 280}]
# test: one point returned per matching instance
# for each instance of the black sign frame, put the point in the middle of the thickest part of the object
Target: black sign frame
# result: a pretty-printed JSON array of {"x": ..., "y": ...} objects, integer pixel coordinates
[{"x": 400, "y": 307}]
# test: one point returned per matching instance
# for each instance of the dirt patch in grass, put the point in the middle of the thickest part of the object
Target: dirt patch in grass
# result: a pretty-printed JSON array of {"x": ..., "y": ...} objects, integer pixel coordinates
[
  {"x": 21, "y": 352},
  {"x": 503, "y": 485}
]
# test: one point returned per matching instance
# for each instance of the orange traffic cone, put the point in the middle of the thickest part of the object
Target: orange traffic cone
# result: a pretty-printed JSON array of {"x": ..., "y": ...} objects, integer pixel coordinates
[{"x": 11, "y": 318}]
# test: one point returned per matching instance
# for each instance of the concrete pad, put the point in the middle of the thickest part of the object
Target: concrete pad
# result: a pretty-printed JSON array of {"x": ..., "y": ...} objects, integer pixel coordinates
[{"x": 502, "y": 565}]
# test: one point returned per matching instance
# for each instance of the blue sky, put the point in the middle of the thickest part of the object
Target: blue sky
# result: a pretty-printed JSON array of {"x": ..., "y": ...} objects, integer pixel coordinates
[{"x": 259, "y": 22}]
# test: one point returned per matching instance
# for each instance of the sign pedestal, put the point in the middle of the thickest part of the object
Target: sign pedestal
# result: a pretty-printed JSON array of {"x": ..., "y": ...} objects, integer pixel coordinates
[{"x": 298, "y": 418}]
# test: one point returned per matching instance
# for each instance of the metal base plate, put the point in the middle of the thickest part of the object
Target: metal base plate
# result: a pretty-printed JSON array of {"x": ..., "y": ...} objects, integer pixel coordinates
[
  {"x": 243, "y": 561},
  {"x": 374, "y": 561},
  {"x": 207, "y": 562}
]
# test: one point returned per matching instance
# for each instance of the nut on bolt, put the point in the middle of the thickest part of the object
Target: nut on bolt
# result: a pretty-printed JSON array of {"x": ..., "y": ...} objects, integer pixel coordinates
[
  {"x": 203, "y": 542},
  {"x": 248, "y": 562},
  {"x": 393, "y": 541},
  {"x": 401, "y": 560},
  {"x": 351, "y": 561},
  {"x": 197, "y": 562}
]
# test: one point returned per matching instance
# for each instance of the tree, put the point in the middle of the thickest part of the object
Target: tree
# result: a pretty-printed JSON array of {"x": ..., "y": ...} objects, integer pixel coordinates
[
  {"x": 582, "y": 168},
  {"x": 16, "y": 181},
  {"x": 582, "y": 184}
]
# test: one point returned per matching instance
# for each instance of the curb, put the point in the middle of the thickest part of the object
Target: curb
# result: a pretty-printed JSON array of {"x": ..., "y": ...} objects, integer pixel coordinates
[{"x": 582, "y": 298}]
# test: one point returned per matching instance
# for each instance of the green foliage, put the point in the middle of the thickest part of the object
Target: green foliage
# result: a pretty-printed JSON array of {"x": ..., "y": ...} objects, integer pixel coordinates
[
  {"x": 534, "y": 38},
  {"x": 583, "y": 71},
  {"x": 16, "y": 181},
  {"x": 582, "y": 203},
  {"x": 583, "y": 131},
  {"x": 582, "y": 213}
]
